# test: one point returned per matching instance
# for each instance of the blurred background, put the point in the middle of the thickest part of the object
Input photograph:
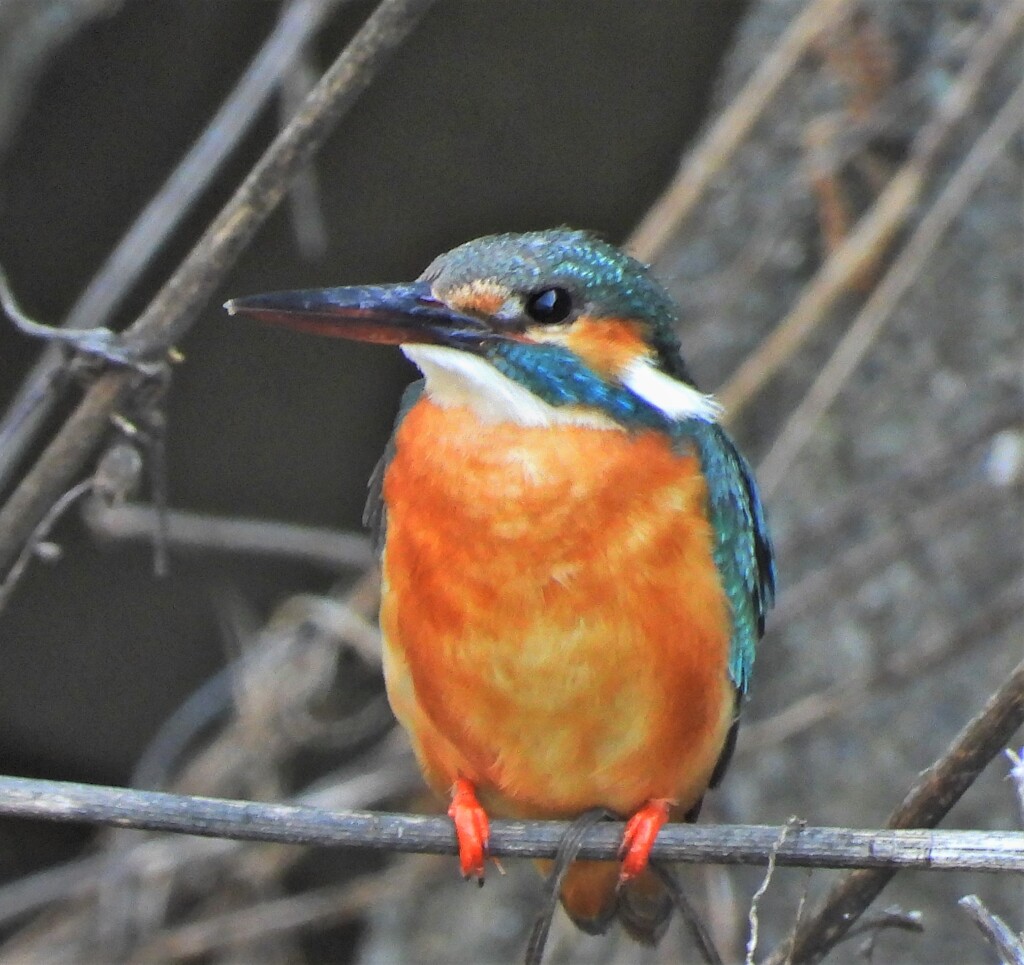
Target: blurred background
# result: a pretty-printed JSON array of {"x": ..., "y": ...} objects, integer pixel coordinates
[{"x": 894, "y": 485}]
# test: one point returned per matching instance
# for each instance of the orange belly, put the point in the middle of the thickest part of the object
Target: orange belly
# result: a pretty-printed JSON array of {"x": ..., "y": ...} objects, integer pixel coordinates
[{"x": 555, "y": 629}]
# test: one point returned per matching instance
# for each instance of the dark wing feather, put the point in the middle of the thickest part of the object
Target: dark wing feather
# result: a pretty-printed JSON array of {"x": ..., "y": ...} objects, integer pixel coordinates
[{"x": 375, "y": 516}]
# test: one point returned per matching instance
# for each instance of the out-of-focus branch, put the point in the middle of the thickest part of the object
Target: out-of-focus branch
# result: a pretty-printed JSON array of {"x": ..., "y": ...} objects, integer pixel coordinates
[
  {"x": 939, "y": 788},
  {"x": 175, "y": 307},
  {"x": 888, "y": 215},
  {"x": 727, "y": 133},
  {"x": 202, "y": 532},
  {"x": 910, "y": 663},
  {"x": 879, "y": 307},
  {"x": 46, "y": 382},
  {"x": 998, "y": 934}
]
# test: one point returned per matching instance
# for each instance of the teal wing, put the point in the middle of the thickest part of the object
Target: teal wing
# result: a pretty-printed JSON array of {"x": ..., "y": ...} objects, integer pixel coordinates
[
  {"x": 743, "y": 549},
  {"x": 375, "y": 517}
]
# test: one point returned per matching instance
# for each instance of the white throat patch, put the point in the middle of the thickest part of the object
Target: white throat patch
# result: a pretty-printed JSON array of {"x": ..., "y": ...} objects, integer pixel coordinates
[{"x": 456, "y": 378}]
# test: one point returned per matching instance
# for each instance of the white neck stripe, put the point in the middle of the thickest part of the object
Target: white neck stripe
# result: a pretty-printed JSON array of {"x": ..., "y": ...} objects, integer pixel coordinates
[{"x": 676, "y": 399}]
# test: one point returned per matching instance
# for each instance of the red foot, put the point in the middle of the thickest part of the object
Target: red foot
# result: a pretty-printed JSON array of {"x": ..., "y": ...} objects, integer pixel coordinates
[
  {"x": 470, "y": 828},
  {"x": 641, "y": 830}
]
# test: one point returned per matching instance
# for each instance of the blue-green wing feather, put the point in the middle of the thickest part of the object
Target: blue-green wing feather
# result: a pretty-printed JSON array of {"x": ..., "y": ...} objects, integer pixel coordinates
[{"x": 743, "y": 550}]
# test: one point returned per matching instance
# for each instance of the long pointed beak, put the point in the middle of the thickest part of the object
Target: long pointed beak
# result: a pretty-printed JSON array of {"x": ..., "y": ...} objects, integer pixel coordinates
[{"x": 389, "y": 314}]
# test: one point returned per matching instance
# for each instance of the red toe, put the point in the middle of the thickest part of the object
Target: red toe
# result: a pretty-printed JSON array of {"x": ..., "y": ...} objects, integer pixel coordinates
[
  {"x": 471, "y": 828},
  {"x": 641, "y": 830}
]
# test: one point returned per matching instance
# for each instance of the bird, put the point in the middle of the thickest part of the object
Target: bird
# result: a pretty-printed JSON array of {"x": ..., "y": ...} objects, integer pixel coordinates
[{"x": 575, "y": 561}]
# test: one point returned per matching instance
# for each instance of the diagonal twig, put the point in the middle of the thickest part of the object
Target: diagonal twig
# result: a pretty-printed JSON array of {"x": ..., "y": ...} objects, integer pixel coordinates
[
  {"x": 717, "y": 146},
  {"x": 880, "y": 224},
  {"x": 1007, "y": 945},
  {"x": 176, "y": 305},
  {"x": 47, "y": 381},
  {"x": 879, "y": 307},
  {"x": 939, "y": 788}
]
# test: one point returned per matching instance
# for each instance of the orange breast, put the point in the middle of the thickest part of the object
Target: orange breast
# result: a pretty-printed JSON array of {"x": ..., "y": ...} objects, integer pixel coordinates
[{"x": 555, "y": 629}]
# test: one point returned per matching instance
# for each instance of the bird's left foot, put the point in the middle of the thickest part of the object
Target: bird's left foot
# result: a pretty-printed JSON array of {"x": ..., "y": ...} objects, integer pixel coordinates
[
  {"x": 471, "y": 828},
  {"x": 641, "y": 830}
]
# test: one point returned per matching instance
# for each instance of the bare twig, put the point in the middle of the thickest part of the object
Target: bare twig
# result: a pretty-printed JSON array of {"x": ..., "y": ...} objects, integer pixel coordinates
[
  {"x": 39, "y": 534},
  {"x": 201, "y": 532},
  {"x": 890, "y": 919},
  {"x": 880, "y": 224},
  {"x": 753, "y": 916},
  {"x": 997, "y": 933},
  {"x": 174, "y": 309},
  {"x": 726, "y": 844},
  {"x": 718, "y": 144},
  {"x": 702, "y": 939},
  {"x": 568, "y": 849},
  {"x": 879, "y": 307},
  {"x": 940, "y": 787},
  {"x": 45, "y": 383},
  {"x": 386, "y": 772}
]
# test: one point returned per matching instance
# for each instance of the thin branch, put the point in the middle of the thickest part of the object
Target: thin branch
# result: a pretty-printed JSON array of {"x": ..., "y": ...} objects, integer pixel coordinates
[
  {"x": 997, "y": 933},
  {"x": 175, "y": 307},
  {"x": 879, "y": 225},
  {"x": 753, "y": 915},
  {"x": 384, "y": 773},
  {"x": 879, "y": 308},
  {"x": 692, "y": 921},
  {"x": 940, "y": 787},
  {"x": 202, "y": 532},
  {"x": 718, "y": 145},
  {"x": 44, "y": 385},
  {"x": 292, "y": 824},
  {"x": 890, "y": 919},
  {"x": 39, "y": 534}
]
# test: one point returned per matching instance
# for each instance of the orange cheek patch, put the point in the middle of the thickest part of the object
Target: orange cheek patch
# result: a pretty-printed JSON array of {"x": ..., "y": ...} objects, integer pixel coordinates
[{"x": 607, "y": 345}]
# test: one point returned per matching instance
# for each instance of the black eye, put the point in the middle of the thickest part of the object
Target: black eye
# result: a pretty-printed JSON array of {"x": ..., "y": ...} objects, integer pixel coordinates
[{"x": 549, "y": 305}]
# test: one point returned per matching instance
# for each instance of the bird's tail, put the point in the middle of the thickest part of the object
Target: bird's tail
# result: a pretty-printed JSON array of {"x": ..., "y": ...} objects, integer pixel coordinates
[{"x": 592, "y": 898}]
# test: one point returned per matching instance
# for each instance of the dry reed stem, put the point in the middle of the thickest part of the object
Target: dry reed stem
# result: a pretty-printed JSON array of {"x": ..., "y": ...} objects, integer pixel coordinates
[
  {"x": 939, "y": 788},
  {"x": 718, "y": 145},
  {"x": 876, "y": 228},
  {"x": 878, "y": 309}
]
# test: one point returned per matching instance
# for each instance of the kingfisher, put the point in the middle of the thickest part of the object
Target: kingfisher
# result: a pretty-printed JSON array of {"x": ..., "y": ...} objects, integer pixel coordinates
[{"x": 575, "y": 562}]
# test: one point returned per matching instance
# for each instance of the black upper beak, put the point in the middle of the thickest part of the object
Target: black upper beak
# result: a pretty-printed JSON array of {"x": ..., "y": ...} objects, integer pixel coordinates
[{"x": 391, "y": 314}]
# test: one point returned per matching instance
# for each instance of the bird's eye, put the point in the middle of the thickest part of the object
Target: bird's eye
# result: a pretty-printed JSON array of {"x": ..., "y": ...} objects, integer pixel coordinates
[{"x": 549, "y": 305}]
